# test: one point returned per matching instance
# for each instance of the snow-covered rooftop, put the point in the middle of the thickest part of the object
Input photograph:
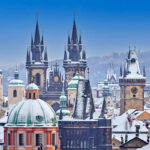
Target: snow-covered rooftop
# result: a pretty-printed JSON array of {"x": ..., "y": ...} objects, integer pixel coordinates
[{"x": 32, "y": 86}]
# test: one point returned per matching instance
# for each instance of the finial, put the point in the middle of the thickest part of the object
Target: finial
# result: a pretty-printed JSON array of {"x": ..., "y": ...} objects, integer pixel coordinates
[
  {"x": 16, "y": 67},
  {"x": 135, "y": 45}
]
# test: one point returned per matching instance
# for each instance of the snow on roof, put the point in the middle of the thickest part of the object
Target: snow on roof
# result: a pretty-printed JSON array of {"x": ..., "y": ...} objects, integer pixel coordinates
[
  {"x": 31, "y": 112},
  {"x": 74, "y": 82},
  {"x": 121, "y": 123},
  {"x": 16, "y": 82},
  {"x": 32, "y": 86},
  {"x": 133, "y": 69},
  {"x": 118, "y": 136}
]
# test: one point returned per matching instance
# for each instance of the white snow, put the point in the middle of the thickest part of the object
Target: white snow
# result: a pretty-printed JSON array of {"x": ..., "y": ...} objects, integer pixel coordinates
[
  {"x": 29, "y": 109},
  {"x": 16, "y": 82},
  {"x": 32, "y": 86}
]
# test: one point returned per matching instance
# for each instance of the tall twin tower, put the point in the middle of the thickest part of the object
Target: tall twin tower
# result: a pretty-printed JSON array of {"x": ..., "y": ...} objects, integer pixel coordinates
[{"x": 37, "y": 64}]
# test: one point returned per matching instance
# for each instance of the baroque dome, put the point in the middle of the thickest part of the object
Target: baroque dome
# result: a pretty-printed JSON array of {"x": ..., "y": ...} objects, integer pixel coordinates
[{"x": 31, "y": 112}]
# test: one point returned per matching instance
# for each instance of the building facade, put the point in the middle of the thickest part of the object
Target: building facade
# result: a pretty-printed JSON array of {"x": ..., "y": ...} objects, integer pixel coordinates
[
  {"x": 1, "y": 85},
  {"x": 74, "y": 56},
  {"x": 16, "y": 89},
  {"x": 31, "y": 124},
  {"x": 82, "y": 131},
  {"x": 132, "y": 83}
]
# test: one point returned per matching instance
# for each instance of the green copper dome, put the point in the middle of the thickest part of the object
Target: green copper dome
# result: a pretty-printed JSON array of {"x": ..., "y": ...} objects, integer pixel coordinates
[
  {"x": 31, "y": 113},
  {"x": 74, "y": 82}
]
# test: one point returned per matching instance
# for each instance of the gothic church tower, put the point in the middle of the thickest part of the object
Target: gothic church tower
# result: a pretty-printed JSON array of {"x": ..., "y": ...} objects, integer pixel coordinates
[
  {"x": 72, "y": 56},
  {"x": 37, "y": 61},
  {"x": 132, "y": 84}
]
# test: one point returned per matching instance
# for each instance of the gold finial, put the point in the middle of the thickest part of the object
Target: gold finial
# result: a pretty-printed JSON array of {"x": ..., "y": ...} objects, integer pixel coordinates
[{"x": 32, "y": 79}]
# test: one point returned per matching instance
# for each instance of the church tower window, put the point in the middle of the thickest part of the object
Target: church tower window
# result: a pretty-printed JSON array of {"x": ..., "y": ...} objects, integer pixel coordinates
[
  {"x": 38, "y": 139},
  {"x": 38, "y": 78},
  {"x": 21, "y": 139},
  {"x": 14, "y": 93}
]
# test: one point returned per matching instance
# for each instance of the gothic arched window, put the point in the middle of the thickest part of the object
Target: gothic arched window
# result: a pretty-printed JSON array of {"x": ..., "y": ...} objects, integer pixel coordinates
[
  {"x": 38, "y": 79},
  {"x": 14, "y": 93}
]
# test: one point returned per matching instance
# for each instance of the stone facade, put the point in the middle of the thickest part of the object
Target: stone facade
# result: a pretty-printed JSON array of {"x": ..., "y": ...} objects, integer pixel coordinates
[
  {"x": 132, "y": 84},
  {"x": 130, "y": 99},
  {"x": 20, "y": 90},
  {"x": 73, "y": 61}
]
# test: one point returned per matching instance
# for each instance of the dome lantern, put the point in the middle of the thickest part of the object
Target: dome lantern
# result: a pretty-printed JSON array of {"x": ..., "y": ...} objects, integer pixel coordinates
[{"x": 32, "y": 91}]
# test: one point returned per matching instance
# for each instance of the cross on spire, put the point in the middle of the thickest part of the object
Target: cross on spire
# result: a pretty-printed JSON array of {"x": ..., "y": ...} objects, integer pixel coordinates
[{"x": 56, "y": 65}]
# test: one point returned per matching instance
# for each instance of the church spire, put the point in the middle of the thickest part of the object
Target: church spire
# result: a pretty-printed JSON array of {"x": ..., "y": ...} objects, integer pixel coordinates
[
  {"x": 37, "y": 34},
  {"x": 65, "y": 55},
  {"x": 74, "y": 33},
  {"x": 42, "y": 44},
  {"x": 32, "y": 41},
  {"x": 84, "y": 55},
  {"x": 103, "y": 110},
  {"x": 28, "y": 59},
  {"x": 144, "y": 73}
]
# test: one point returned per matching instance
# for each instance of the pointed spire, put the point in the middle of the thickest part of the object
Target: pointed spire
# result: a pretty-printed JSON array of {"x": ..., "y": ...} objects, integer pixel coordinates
[
  {"x": 37, "y": 34},
  {"x": 28, "y": 59},
  {"x": 80, "y": 40},
  {"x": 45, "y": 55},
  {"x": 65, "y": 55},
  {"x": 42, "y": 44},
  {"x": 74, "y": 33},
  {"x": 144, "y": 73},
  {"x": 84, "y": 55},
  {"x": 103, "y": 110},
  {"x": 124, "y": 73},
  {"x": 16, "y": 73},
  {"x": 120, "y": 71},
  {"x": 32, "y": 41},
  {"x": 69, "y": 39}
]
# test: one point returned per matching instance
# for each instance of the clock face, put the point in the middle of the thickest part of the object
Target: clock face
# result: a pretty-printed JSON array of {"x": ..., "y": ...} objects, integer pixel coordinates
[
  {"x": 56, "y": 78},
  {"x": 134, "y": 90}
]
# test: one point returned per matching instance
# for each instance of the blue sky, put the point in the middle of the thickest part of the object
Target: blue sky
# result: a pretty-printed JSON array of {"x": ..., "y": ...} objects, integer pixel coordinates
[{"x": 106, "y": 26}]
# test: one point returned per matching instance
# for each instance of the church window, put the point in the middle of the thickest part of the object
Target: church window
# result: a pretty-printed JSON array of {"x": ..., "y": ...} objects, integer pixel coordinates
[
  {"x": 38, "y": 79},
  {"x": 38, "y": 139},
  {"x": 9, "y": 139},
  {"x": 14, "y": 93},
  {"x": 33, "y": 95},
  {"x": 21, "y": 139},
  {"x": 53, "y": 139},
  {"x": 29, "y": 95}
]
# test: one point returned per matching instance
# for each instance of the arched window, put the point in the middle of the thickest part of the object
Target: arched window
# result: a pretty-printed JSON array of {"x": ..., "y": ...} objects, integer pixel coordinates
[
  {"x": 29, "y": 95},
  {"x": 33, "y": 95},
  {"x": 14, "y": 93},
  {"x": 38, "y": 79}
]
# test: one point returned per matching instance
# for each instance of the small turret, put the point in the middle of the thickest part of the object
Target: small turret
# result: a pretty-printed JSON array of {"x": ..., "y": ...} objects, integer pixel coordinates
[
  {"x": 84, "y": 55},
  {"x": 45, "y": 57},
  {"x": 144, "y": 73},
  {"x": 120, "y": 71},
  {"x": 28, "y": 58},
  {"x": 74, "y": 38},
  {"x": 65, "y": 55},
  {"x": 37, "y": 35},
  {"x": 42, "y": 44}
]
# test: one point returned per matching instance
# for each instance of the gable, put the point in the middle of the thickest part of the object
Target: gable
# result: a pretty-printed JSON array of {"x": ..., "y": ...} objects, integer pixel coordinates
[
  {"x": 134, "y": 143},
  {"x": 143, "y": 116}
]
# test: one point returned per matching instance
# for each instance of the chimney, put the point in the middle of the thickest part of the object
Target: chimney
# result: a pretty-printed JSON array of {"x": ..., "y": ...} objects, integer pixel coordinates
[{"x": 137, "y": 130}]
